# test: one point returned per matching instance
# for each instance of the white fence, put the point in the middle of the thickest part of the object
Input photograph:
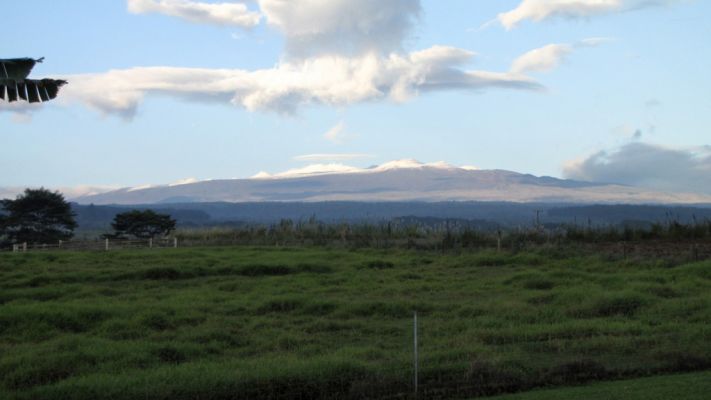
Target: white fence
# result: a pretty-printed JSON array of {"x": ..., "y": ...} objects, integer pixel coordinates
[{"x": 98, "y": 245}]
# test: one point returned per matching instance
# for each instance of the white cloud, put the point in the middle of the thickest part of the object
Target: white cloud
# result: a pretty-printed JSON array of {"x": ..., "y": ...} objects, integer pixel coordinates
[
  {"x": 542, "y": 59},
  {"x": 337, "y": 134},
  {"x": 330, "y": 80},
  {"x": 549, "y": 57},
  {"x": 317, "y": 27},
  {"x": 232, "y": 14},
  {"x": 339, "y": 52},
  {"x": 539, "y": 10},
  {"x": 647, "y": 165},
  {"x": 331, "y": 157}
]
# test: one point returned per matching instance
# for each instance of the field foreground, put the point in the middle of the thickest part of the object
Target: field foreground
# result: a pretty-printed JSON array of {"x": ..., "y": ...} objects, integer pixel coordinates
[
  {"x": 296, "y": 323},
  {"x": 692, "y": 386}
]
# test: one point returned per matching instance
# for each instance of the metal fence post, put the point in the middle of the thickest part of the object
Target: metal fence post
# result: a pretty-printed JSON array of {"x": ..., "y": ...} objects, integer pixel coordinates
[{"x": 415, "y": 360}]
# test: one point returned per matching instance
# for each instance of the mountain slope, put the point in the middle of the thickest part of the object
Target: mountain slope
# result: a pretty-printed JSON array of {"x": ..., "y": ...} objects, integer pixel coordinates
[{"x": 397, "y": 181}]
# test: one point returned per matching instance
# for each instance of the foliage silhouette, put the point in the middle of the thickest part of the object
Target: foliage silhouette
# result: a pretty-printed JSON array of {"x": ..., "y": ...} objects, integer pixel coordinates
[
  {"x": 142, "y": 224},
  {"x": 37, "y": 216}
]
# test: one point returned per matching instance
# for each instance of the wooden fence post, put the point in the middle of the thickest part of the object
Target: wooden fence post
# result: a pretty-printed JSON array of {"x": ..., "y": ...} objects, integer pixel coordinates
[
  {"x": 106, "y": 244},
  {"x": 150, "y": 243},
  {"x": 175, "y": 242},
  {"x": 24, "y": 247}
]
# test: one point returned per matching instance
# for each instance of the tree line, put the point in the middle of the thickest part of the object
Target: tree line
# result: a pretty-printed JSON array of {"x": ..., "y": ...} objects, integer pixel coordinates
[{"x": 39, "y": 216}]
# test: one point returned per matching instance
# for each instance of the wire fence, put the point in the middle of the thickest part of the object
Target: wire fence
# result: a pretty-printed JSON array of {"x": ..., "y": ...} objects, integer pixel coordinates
[
  {"x": 95, "y": 245},
  {"x": 685, "y": 250}
]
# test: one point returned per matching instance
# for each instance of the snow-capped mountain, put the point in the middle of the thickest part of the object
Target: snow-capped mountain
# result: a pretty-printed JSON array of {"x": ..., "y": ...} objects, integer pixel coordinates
[{"x": 402, "y": 180}]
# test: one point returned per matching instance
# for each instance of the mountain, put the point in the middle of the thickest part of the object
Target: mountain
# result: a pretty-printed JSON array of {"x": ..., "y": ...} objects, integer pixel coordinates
[{"x": 404, "y": 180}]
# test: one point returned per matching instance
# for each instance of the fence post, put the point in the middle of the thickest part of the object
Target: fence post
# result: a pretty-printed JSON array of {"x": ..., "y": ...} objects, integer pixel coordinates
[
  {"x": 175, "y": 242},
  {"x": 24, "y": 247},
  {"x": 106, "y": 244},
  {"x": 150, "y": 243},
  {"x": 14, "y": 248},
  {"x": 415, "y": 360},
  {"x": 60, "y": 244}
]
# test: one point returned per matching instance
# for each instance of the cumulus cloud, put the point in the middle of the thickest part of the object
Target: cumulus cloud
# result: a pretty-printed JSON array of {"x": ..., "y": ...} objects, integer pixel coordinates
[
  {"x": 317, "y": 27},
  {"x": 338, "y": 52},
  {"x": 539, "y": 10},
  {"x": 232, "y": 14},
  {"x": 331, "y": 157},
  {"x": 648, "y": 165},
  {"x": 330, "y": 80}
]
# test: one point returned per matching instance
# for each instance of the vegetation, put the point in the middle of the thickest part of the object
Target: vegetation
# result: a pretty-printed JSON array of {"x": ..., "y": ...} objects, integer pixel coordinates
[
  {"x": 36, "y": 216},
  {"x": 142, "y": 224},
  {"x": 295, "y": 323},
  {"x": 695, "y": 386},
  {"x": 429, "y": 234}
]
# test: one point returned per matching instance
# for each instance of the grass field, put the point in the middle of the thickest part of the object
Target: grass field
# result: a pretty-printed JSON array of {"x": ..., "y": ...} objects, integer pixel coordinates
[
  {"x": 693, "y": 386},
  {"x": 297, "y": 323}
]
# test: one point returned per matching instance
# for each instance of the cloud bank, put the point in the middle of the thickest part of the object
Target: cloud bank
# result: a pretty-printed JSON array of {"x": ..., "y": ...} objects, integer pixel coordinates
[
  {"x": 647, "y": 165},
  {"x": 331, "y": 80},
  {"x": 337, "y": 53},
  {"x": 228, "y": 14},
  {"x": 540, "y": 10}
]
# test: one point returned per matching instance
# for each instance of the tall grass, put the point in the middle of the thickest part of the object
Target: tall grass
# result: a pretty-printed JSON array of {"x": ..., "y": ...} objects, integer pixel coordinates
[{"x": 295, "y": 323}]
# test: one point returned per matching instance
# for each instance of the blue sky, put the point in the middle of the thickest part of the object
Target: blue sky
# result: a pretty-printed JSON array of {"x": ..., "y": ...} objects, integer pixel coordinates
[{"x": 620, "y": 83}]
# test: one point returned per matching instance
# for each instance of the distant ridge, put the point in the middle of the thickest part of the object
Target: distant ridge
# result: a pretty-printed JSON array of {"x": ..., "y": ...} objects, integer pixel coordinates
[{"x": 403, "y": 180}]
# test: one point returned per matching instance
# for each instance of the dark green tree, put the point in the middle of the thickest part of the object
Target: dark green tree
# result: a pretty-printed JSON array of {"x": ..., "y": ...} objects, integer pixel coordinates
[
  {"x": 36, "y": 216},
  {"x": 142, "y": 224}
]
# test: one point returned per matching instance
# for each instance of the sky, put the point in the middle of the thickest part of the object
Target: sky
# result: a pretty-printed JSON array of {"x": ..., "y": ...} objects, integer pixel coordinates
[{"x": 164, "y": 91}]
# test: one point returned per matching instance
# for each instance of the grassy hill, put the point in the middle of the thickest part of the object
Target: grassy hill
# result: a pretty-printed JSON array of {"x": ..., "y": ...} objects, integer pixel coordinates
[{"x": 295, "y": 323}]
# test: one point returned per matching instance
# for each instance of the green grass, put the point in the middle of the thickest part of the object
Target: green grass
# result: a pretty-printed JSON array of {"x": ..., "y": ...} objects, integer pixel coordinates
[
  {"x": 694, "y": 386},
  {"x": 293, "y": 323}
]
